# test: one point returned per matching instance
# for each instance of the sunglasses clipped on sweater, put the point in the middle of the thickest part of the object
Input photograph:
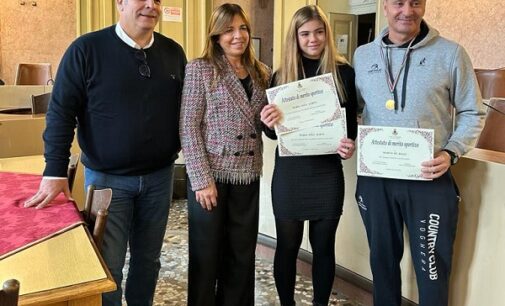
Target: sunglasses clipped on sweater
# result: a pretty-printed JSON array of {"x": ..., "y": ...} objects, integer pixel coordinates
[{"x": 144, "y": 69}]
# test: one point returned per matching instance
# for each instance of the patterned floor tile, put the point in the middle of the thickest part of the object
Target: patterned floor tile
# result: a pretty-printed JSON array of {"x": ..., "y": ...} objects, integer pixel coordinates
[{"x": 172, "y": 283}]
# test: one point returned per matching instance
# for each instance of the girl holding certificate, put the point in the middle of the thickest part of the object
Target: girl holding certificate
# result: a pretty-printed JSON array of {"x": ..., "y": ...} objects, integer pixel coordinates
[
  {"x": 223, "y": 94},
  {"x": 309, "y": 187}
]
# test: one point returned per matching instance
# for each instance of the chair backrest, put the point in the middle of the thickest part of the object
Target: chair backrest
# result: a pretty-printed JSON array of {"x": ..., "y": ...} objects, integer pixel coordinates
[
  {"x": 491, "y": 82},
  {"x": 34, "y": 74},
  {"x": 96, "y": 211},
  {"x": 40, "y": 103},
  {"x": 72, "y": 169},
  {"x": 492, "y": 136},
  {"x": 9, "y": 294}
]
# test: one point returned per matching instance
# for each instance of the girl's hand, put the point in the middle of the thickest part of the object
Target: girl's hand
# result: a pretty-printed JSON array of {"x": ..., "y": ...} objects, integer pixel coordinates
[
  {"x": 270, "y": 115},
  {"x": 346, "y": 148}
]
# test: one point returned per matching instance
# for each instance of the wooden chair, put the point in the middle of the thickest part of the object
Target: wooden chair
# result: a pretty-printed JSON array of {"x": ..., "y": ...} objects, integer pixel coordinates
[
  {"x": 96, "y": 211},
  {"x": 492, "y": 136},
  {"x": 72, "y": 169},
  {"x": 40, "y": 103},
  {"x": 9, "y": 294},
  {"x": 491, "y": 82},
  {"x": 34, "y": 74}
]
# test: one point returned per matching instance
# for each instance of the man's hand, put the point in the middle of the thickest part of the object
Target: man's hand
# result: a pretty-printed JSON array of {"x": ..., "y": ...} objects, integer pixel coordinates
[
  {"x": 207, "y": 197},
  {"x": 436, "y": 167},
  {"x": 48, "y": 190}
]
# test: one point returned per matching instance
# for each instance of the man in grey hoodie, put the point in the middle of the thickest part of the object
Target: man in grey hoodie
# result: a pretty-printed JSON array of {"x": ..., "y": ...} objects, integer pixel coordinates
[{"x": 411, "y": 77}]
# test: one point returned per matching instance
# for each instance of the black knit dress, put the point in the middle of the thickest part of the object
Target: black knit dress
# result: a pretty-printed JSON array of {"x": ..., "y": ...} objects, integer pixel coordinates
[{"x": 312, "y": 187}]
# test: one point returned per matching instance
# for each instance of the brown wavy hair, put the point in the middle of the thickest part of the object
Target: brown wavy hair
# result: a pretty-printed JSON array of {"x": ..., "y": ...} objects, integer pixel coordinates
[{"x": 221, "y": 18}]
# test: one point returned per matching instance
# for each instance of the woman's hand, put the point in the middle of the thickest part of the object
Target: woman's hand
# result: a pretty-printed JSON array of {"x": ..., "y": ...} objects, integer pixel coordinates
[
  {"x": 207, "y": 197},
  {"x": 270, "y": 115},
  {"x": 346, "y": 148}
]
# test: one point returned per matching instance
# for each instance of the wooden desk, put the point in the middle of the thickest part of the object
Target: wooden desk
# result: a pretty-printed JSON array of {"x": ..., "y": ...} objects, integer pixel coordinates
[
  {"x": 15, "y": 117},
  {"x": 486, "y": 156},
  {"x": 64, "y": 270},
  {"x": 20, "y": 95},
  {"x": 21, "y": 135},
  {"x": 33, "y": 164}
]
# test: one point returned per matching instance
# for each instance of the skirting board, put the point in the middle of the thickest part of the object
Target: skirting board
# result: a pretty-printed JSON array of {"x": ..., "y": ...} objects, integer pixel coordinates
[{"x": 340, "y": 272}]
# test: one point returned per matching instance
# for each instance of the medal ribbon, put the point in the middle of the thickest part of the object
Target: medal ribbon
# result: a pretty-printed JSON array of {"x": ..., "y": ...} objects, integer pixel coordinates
[{"x": 390, "y": 80}]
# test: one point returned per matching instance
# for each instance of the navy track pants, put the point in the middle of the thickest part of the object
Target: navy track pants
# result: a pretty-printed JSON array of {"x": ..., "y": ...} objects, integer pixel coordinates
[{"x": 429, "y": 209}]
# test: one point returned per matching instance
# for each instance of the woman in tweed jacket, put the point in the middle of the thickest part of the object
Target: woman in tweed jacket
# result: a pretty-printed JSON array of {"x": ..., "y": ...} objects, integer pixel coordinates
[{"x": 224, "y": 92}]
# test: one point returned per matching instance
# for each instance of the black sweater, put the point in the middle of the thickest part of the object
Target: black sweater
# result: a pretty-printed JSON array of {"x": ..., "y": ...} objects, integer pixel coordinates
[{"x": 127, "y": 124}]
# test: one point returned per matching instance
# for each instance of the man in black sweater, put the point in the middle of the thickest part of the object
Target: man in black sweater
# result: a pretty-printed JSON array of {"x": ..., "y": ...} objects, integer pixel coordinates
[{"x": 121, "y": 88}]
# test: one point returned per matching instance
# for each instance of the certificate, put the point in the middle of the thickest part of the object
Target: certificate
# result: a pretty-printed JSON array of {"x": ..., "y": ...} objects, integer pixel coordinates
[
  {"x": 306, "y": 103},
  {"x": 319, "y": 140},
  {"x": 393, "y": 152}
]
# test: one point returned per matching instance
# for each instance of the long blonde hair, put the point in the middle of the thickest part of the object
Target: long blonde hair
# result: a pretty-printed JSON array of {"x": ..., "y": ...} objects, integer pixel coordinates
[
  {"x": 221, "y": 18},
  {"x": 289, "y": 70}
]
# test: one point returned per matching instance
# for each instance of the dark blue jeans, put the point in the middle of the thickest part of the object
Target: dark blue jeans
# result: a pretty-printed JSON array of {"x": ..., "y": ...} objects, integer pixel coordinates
[{"x": 138, "y": 217}]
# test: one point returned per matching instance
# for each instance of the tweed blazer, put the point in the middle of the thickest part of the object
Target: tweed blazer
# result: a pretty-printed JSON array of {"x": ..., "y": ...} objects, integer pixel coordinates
[{"x": 220, "y": 127}]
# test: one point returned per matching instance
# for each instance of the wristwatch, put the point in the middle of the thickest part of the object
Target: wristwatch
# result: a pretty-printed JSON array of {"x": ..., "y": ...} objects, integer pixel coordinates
[{"x": 454, "y": 156}]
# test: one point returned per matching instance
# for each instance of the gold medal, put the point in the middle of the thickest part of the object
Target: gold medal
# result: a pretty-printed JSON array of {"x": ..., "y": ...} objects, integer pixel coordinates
[
  {"x": 391, "y": 80},
  {"x": 390, "y": 104}
]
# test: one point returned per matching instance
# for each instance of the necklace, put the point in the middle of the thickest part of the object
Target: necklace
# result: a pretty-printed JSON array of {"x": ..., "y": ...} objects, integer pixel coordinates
[
  {"x": 237, "y": 67},
  {"x": 305, "y": 76},
  {"x": 239, "y": 71},
  {"x": 317, "y": 71}
]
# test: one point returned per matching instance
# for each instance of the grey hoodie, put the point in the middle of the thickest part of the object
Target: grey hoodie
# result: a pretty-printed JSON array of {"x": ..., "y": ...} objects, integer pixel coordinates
[{"x": 439, "y": 76}]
